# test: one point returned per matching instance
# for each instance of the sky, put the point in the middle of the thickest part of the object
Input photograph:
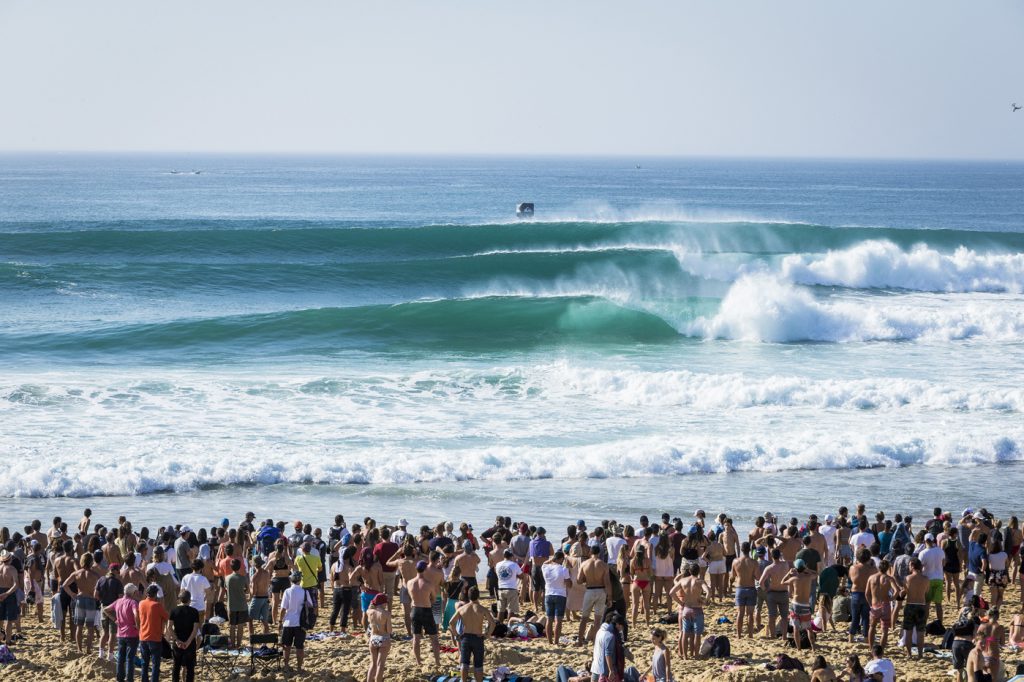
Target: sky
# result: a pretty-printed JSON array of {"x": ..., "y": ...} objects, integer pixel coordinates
[{"x": 880, "y": 79}]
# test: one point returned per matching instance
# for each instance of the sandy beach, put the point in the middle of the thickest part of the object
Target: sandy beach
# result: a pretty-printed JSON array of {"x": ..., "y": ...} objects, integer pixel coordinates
[{"x": 43, "y": 657}]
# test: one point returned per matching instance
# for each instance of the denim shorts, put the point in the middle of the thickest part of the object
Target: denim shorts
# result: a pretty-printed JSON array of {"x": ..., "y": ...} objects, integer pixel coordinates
[{"x": 554, "y": 606}]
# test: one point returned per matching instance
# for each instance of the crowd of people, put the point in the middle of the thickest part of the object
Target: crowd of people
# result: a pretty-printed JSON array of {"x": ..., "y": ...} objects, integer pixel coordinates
[{"x": 122, "y": 592}]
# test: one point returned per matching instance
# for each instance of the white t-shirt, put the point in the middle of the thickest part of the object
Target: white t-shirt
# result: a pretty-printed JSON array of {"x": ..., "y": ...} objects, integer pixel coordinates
[
  {"x": 197, "y": 585},
  {"x": 292, "y": 602},
  {"x": 829, "y": 533},
  {"x": 555, "y": 576},
  {"x": 862, "y": 540},
  {"x": 614, "y": 545},
  {"x": 997, "y": 561},
  {"x": 931, "y": 562},
  {"x": 508, "y": 574},
  {"x": 881, "y": 665}
]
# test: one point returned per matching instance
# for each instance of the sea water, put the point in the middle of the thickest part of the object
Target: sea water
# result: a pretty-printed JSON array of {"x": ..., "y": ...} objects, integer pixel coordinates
[{"x": 268, "y": 333}]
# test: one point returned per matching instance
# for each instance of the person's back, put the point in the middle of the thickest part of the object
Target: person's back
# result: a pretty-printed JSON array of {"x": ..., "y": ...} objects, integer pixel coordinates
[
  {"x": 881, "y": 666},
  {"x": 236, "y": 584}
]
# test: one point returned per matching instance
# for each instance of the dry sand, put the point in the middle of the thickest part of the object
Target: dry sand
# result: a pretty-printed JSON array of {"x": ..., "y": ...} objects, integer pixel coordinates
[{"x": 43, "y": 657}]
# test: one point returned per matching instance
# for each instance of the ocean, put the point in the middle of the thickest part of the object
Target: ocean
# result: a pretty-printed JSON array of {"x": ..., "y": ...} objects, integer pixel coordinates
[{"x": 382, "y": 335}]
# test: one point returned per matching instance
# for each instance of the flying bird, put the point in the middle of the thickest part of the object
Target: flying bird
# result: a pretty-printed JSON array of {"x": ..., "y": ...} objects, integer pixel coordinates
[{"x": 1015, "y": 107}]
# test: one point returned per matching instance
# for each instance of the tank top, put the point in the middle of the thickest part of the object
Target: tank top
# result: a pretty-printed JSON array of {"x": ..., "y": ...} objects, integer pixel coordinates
[{"x": 658, "y": 666}]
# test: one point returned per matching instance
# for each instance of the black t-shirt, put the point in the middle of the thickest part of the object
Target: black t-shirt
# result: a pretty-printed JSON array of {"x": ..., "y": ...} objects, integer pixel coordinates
[
  {"x": 110, "y": 589},
  {"x": 184, "y": 618}
]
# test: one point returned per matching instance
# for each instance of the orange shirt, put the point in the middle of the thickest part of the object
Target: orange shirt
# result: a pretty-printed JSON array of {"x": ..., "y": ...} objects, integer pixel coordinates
[{"x": 153, "y": 618}]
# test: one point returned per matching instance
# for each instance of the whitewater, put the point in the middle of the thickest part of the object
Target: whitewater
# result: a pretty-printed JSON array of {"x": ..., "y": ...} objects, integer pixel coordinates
[{"x": 313, "y": 324}]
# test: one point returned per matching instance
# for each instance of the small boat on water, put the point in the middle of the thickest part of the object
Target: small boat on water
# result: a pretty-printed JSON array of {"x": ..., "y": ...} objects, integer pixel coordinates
[{"x": 524, "y": 210}]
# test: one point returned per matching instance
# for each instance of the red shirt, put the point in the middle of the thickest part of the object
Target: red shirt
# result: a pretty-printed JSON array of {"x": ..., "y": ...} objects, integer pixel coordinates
[{"x": 383, "y": 553}]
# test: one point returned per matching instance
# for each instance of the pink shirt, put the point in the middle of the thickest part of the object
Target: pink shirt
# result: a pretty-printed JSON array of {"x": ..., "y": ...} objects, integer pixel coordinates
[{"x": 126, "y": 609}]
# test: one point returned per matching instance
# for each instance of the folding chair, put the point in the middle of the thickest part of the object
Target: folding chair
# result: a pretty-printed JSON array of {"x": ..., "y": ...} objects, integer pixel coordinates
[
  {"x": 217, "y": 658},
  {"x": 264, "y": 652}
]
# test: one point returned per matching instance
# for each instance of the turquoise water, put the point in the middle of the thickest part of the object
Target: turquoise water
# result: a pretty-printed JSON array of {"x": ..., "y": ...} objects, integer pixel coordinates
[{"x": 296, "y": 325}]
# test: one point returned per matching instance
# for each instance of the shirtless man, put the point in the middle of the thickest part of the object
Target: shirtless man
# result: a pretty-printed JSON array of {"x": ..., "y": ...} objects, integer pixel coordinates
[
  {"x": 435, "y": 574},
  {"x": 801, "y": 579},
  {"x": 880, "y": 590},
  {"x": 777, "y": 593},
  {"x": 81, "y": 587},
  {"x": 863, "y": 569},
  {"x": 745, "y": 572},
  {"x": 594, "y": 575},
  {"x": 791, "y": 544},
  {"x": 467, "y": 564},
  {"x": 731, "y": 541},
  {"x": 63, "y": 567},
  {"x": 404, "y": 564},
  {"x": 915, "y": 613},
  {"x": 477, "y": 623},
  {"x": 85, "y": 522},
  {"x": 714, "y": 555},
  {"x": 688, "y": 593},
  {"x": 8, "y": 595},
  {"x": 259, "y": 605},
  {"x": 423, "y": 591}
]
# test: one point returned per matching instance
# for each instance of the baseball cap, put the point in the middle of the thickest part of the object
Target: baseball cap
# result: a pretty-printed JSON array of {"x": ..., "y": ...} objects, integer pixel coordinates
[
  {"x": 699, "y": 512},
  {"x": 929, "y": 537},
  {"x": 581, "y": 523},
  {"x": 829, "y": 518},
  {"x": 421, "y": 566},
  {"x": 378, "y": 599},
  {"x": 225, "y": 522},
  {"x": 298, "y": 524},
  {"x": 296, "y": 576},
  {"x": 186, "y": 529},
  {"x": 403, "y": 523},
  {"x": 761, "y": 550},
  {"x": 967, "y": 512},
  {"x": 114, "y": 567},
  {"x": 799, "y": 563},
  {"x": 467, "y": 546}
]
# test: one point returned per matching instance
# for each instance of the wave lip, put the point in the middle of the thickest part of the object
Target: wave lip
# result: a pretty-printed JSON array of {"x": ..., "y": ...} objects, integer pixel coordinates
[{"x": 878, "y": 264}]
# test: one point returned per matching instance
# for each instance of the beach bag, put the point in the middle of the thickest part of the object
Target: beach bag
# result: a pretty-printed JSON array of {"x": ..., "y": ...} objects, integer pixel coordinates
[
  {"x": 784, "y": 662},
  {"x": 56, "y": 611},
  {"x": 671, "y": 619},
  {"x": 805, "y": 640},
  {"x": 6, "y": 655},
  {"x": 307, "y": 618},
  {"x": 706, "y": 646},
  {"x": 721, "y": 647},
  {"x": 841, "y": 610},
  {"x": 935, "y": 628}
]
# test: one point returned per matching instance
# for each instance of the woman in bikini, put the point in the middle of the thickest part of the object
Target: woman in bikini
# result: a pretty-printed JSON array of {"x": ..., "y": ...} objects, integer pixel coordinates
[
  {"x": 280, "y": 563},
  {"x": 989, "y": 640},
  {"x": 640, "y": 569},
  {"x": 1013, "y": 537},
  {"x": 378, "y": 636},
  {"x": 1017, "y": 630},
  {"x": 625, "y": 576}
]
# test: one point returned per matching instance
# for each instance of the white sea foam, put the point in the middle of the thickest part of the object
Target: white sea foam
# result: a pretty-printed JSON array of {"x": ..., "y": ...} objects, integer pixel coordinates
[
  {"x": 882, "y": 264},
  {"x": 764, "y": 308}
]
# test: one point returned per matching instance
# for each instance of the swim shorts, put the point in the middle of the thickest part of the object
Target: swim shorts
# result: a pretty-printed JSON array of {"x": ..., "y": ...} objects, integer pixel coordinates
[
  {"x": 423, "y": 621},
  {"x": 746, "y": 596}
]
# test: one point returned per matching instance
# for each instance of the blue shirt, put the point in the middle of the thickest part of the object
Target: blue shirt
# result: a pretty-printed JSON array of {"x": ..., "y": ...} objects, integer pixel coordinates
[
  {"x": 540, "y": 548},
  {"x": 975, "y": 554},
  {"x": 885, "y": 540}
]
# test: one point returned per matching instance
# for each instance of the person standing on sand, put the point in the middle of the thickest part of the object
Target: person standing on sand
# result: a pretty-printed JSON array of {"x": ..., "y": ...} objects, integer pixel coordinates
[
  {"x": 777, "y": 595},
  {"x": 153, "y": 618},
  {"x": 510, "y": 575},
  {"x": 915, "y": 613},
  {"x": 596, "y": 577},
  {"x": 801, "y": 579},
  {"x": 557, "y": 581},
  {"x": 475, "y": 623},
  {"x": 259, "y": 603},
  {"x": 109, "y": 589},
  {"x": 540, "y": 551},
  {"x": 378, "y": 636},
  {"x": 932, "y": 558},
  {"x": 860, "y": 572},
  {"x": 404, "y": 563},
  {"x": 879, "y": 592},
  {"x": 182, "y": 634},
  {"x": 423, "y": 592},
  {"x": 9, "y": 597},
  {"x": 745, "y": 573},
  {"x": 689, "y": 595},
  {"x": 293, "y": 635},
  {"x": 81, "y": 586},
  {"x": 125, "y": 614}
]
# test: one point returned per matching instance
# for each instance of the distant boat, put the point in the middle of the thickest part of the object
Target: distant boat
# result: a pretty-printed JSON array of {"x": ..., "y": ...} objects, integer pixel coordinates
[
  {"x": 189, "y": 172},
  {"x": 638, "y": 166},
  {"x": 524, "y": 210}
]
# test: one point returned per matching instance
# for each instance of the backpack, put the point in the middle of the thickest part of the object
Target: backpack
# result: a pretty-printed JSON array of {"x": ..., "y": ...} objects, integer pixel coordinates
[
  {"x": 784, "y": 662},
  {"x": 6, "y": 655},
  {"x": 706, "y": 646},
  {"x": 721, "y": 647},
  {"x": 805, "y": 640},
  {"x": 935, "y": 628}
]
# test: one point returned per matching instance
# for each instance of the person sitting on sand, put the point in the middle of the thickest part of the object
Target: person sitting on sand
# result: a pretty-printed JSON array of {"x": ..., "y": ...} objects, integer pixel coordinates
[
  {"x": 821, "y": 671},
  {"x": 881, "y": 669}
]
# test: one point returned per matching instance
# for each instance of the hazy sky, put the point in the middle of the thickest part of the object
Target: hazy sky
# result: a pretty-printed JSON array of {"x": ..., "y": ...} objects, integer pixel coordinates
[{"x": 818, "y": 78}]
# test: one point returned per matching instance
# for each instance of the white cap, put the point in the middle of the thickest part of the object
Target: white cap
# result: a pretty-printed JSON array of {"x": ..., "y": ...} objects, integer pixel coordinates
[
  {"x": 699, "y": 512},
  {"x": 929, "y": 537},
  {"x": 967, "y": 512},
  {"x": 403, "y": 523},
  {"x": 186, "y": 529},
  {"x": 829, "y": 518}
]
